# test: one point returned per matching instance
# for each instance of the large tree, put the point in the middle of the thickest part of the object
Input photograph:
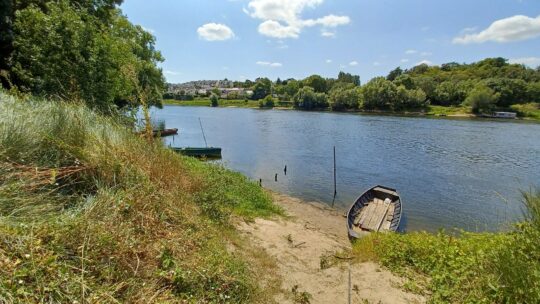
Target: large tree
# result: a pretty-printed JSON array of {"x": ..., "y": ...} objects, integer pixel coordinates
[{"x": 84, "y": 50}]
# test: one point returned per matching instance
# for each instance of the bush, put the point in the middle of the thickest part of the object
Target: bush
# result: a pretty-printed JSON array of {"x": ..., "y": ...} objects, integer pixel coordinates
[
  {"x": 482, "y": 99},
  {"x": 267, "y": 102},
  {"x": 214, "y": 100},
  {"x": 379, "y": 93},
  {"x": 307, "y": 99},
  {"x": 345, "y": 99}
]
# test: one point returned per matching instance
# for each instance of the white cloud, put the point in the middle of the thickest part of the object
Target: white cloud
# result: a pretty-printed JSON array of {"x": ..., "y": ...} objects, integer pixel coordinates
[
  {"x": 270, "y": 64},
  {"x": 282, "y": 18},
  {"x": 510, "y": 29},
  {"x": 424, "y": 62},
  {"x": 172, "y": 73},
  {"x": 528, "y": 61},
  {"x": 426, "y": 54},
  {"x": 376, "y": 63},
  {"x": 353, "y": 63},
  {"x": 327, "y": 34},
  {"x": 404, "y": 60},
  {"x": 275, "y": 29},
  {"x": 425, "y": 28},
  {"x": 328, "y": 60},
  {"x": 409, "y": 52},
  {"x": 215, "y": 32}
]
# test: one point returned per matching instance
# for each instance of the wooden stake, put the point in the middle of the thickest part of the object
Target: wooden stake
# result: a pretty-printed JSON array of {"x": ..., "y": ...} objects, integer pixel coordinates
[{"x": 335, "y": 186}]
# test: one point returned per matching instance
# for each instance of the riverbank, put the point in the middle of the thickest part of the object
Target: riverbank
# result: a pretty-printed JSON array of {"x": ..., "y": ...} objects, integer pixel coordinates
[
  {"x": 528, "y": 112},
  {"x": 92, "y": 213},
  {"x": 310, "y": 247}
]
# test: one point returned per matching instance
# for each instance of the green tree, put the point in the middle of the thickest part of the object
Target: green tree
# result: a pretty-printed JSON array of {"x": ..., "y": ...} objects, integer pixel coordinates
[
  {"x": 267, "y": 102},
  {"x": 395, "y": 73},
  {"x": 345, "y": 98},
  {"x": 84, "y": 52},
  {"x": 379, "y": 93},
  {"x": 292, "y": 87},
  {"x": 482, "y": 99},
  {"x": 307, "y": 99},
  {"x": 214, "y": 100},
  {"x": 349, "y": 78},
  {"x": 317, "y": 83},
  {"x": 261, "y": 89}
]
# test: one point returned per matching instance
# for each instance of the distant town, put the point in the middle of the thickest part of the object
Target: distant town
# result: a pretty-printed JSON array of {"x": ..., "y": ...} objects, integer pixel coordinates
[{"x": 225, "y": 89}]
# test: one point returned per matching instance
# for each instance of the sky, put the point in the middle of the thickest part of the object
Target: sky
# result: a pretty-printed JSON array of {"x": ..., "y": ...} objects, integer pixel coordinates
[{"x": 246, "y": 39}]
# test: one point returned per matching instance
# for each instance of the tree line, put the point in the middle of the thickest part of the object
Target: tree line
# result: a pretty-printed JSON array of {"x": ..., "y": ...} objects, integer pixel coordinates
[
  {"x": 486, "y": 85},
  {"x": 83, "y": 50}
]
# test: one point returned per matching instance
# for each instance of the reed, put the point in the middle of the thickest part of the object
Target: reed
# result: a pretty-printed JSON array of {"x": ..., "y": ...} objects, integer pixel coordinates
[{"x": 92, "y": 213}]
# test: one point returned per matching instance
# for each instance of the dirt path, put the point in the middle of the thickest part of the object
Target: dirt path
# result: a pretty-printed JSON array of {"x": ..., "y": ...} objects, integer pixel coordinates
[{"x": 300, "y": 244}]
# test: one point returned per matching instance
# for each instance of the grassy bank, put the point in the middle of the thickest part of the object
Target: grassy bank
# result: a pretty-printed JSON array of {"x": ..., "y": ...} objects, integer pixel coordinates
[
  {"x": 89, "y": 212},
  {"x": 468, "y": 268},
  {"x": 528, "y": 110}
]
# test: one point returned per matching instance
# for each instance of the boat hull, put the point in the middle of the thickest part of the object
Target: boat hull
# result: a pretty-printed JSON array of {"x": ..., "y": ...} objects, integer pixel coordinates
[
  {"x": 210, "y": 152},
  {"x": 378, "y": 209},
  {"x": 165, "y": 132}
]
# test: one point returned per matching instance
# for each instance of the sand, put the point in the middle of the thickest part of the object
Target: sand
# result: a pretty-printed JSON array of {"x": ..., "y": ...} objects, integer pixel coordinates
[{"x": 298, "y": 242}]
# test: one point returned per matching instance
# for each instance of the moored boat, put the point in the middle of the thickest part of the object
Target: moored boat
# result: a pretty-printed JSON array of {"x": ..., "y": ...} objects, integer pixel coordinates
[
  {"x": 208, "y": 152},
  {"x": 165, "y": 132},
  {"x": 377, "y": 209}
]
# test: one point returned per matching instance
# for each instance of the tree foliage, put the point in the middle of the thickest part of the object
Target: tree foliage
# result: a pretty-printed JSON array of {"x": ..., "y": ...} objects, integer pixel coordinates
[
  {"x": 83, "y": 50},
  {"x": 307, "y": 99},
  {"x": 482, "y": 99}
]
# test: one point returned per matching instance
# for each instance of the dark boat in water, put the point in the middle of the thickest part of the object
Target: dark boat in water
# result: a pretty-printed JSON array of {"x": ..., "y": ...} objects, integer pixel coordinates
[
  {"x": 208, "y": 152},
  {"x": 165, "y": 132},
  {"x": 378, "y": 209}
]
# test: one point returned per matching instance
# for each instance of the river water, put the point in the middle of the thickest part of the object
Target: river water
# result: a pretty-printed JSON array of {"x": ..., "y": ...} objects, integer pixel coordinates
[{"x": 450, "y": 173}]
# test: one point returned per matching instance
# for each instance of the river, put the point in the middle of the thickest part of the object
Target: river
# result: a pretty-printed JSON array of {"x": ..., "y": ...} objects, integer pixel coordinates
[{"x": 450, "y": 173}]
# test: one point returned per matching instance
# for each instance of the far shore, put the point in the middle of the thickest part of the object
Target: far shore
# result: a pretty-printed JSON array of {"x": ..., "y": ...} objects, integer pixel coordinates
[{"x": 432, "y": 112}]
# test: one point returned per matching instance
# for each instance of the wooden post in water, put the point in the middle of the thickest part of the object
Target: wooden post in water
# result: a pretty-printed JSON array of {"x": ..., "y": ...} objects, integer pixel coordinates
[
  {"x": 335, "y": 186},
  {"x": 204, "y": 137}
]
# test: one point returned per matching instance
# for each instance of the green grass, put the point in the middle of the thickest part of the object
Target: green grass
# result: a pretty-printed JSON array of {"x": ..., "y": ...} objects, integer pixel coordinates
[
  {"x": 469, "y": 267},
  {"x": 528, "y": 110},
  {"x": 448, "y": 111},
  {"x": 91, "y": 212}
]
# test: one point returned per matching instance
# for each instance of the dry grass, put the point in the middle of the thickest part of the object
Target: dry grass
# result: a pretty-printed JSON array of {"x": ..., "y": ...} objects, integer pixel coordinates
[{"x": 90, "y": 213}]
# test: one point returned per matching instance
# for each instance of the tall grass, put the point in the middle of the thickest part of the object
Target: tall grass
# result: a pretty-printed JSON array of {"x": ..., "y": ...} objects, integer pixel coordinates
[
  {"x": 470, "y": 268},
  {"x": 90, "y": 212}
]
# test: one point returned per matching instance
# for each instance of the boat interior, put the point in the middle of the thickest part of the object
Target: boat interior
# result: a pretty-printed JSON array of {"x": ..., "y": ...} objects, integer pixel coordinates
[{"x": 377, "y": 210}]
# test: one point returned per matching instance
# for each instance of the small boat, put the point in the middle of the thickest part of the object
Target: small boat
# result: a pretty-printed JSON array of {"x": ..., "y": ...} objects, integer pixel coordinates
[
  {"x": 165, "y": 132},
  {"x": 378, "y": 209},
  {"x": 208, "y": 152}
]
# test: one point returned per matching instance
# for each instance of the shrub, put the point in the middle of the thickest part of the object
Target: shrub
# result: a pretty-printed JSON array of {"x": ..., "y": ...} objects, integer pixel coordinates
[
  {"x": 345, "y": 99},
  {"x": 307, "y": 99},
  {"x": 467, "y": 267},
  {"x": 214, "y": 100},
  {"x": 482, "y": 99},
  {"x": 267, "y": 102}
]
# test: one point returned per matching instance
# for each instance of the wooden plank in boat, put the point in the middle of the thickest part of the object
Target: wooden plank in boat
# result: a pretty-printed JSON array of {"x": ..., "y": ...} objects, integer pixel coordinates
[
  {"x": 376, "y": 216},
  {"x": 366, "y": 213}
]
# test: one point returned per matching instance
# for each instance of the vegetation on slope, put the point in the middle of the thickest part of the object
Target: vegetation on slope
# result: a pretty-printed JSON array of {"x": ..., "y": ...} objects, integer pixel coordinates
[
  {"x": 469, "y": 268},
  {"x": 78, "y": 50},
  {"x": 90, "y": 212}
]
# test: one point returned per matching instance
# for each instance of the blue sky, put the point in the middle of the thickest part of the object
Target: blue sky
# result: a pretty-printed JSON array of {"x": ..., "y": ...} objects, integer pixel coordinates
[{"x": 239, "y": 39}]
